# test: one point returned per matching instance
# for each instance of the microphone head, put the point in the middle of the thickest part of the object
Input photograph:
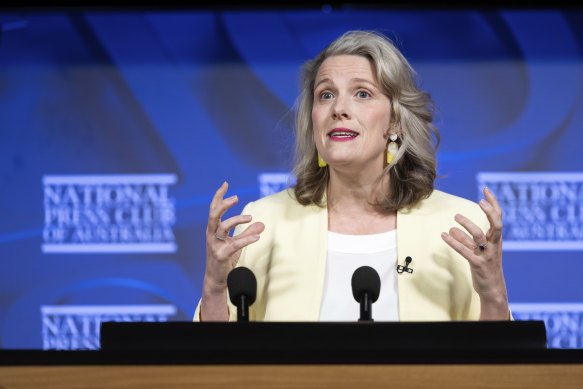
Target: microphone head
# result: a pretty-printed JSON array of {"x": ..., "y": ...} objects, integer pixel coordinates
[
  {"x": 242, "y": 281},
  {"x": 365, "y": 279}
]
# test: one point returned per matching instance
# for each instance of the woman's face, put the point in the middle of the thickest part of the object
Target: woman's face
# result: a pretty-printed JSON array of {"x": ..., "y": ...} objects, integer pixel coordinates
[{"x": 350, "y": 114}]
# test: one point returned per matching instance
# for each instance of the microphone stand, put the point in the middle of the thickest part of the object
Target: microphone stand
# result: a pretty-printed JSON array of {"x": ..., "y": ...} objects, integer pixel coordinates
[
  {"x": 243, "y": 309},
  {"x": 366, "y": 307}
]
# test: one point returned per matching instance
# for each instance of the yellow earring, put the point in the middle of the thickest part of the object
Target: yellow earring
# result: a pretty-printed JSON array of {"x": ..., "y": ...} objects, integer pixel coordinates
[
  {"x": 392, "y": 148},
  {"x": 321, "y": 162}
]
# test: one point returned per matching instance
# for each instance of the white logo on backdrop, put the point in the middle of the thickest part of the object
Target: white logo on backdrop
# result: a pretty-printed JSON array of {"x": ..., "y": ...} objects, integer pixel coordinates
[
  {"x": 541, "y": 211},
  {"x": 77, "y": 327},
  {"x": 109, "y": 214},
  {"x": 564, "y": 322},
  {"x": 270, "y": 183}
]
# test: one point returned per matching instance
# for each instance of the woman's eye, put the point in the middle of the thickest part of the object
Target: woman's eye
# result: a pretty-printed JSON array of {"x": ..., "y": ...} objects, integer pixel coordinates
[
  {"x": 326, "y": 95},
  {"x": 363, "y": 94}
]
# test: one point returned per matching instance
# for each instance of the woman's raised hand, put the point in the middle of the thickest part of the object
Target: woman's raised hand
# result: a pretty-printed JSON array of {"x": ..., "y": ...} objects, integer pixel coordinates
[
  {"x": 483, "y": 251},
  {"x": 223, "y": 251}
]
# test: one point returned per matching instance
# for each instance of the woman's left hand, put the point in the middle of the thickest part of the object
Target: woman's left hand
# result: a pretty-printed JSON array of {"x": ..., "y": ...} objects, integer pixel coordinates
[{"x": 484, "y": 254}]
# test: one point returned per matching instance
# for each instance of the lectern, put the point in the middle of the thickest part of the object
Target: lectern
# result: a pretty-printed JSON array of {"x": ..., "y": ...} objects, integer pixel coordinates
[{"x": 323, "y": 342}]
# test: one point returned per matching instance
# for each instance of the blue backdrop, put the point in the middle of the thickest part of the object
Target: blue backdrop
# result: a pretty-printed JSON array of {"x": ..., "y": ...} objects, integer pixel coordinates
[{"x": 116, "y": 128}]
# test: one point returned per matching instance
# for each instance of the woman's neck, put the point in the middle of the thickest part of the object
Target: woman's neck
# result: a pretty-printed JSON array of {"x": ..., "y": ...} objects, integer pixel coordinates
[{"x": 350, "y": 209}]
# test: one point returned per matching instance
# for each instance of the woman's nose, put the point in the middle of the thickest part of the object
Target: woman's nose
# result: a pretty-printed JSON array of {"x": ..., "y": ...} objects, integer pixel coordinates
[{"x": 340, "y": 109}]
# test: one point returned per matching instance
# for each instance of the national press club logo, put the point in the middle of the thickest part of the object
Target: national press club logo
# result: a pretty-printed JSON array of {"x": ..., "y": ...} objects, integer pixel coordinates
[
  {"x": 270, "y": 183},
  {"x": 541, "y": 211},
  {"x": 77, "y": 327},
  {"x": 109, "y": 214},
  {"x": 563, "y": 322}
]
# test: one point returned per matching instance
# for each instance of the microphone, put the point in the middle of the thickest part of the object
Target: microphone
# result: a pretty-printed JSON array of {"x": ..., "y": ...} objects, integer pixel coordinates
[
  {"x": 406, "y": 268},
  {"x": 242, "y": 286},
  {"x": 366, "y": 286}
]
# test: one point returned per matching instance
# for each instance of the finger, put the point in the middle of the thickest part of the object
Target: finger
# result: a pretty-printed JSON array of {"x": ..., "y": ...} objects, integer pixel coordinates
[
  {"x": 476, "y": 232},
  {"x": 495, "y": 220},
  {"x": 242, "y": 242},
  {"x": 492, "y": 200},
  {"x": 250, "y": 235},
  {"x": 459, "y": 247},
  {"x": 213, "y": 221},
  {"x": 254, "y": 229},
  {"x": 493, "y": 212},
  {"x": 219, "y": 210},
  {"x": 219, "y": 194},
  {"x": 226, "y": 225},
  {"x": 463, "y": 238},
  {"x": 216, "y": 213}
]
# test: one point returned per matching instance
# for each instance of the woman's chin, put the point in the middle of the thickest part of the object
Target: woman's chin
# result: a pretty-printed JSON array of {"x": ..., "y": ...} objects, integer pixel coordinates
[{"x": 354, "y": 166}]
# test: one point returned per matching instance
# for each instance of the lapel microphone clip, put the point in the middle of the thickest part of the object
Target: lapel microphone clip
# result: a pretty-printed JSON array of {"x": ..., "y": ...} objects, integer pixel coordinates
[{"x": 406, "y": 268}]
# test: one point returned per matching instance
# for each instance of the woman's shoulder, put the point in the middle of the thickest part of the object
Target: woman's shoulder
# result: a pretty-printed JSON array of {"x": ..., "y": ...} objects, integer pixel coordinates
[
  {"x": 444, "y": 206},
  {"x": 445, "y": 199},
  {"x": 282, "y": 198},
  {"x": 282, "y": 201},
  {"x": 281, "y": 207},
  {"x": 443, "y": 202}
]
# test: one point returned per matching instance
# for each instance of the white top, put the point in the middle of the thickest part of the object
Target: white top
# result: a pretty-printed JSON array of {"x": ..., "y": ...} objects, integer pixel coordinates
[{"x": 346, "y": 253}]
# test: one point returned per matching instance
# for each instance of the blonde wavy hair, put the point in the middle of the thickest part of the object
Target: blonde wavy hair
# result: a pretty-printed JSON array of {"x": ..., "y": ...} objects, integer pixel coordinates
[{"x": 413, "y": 170}]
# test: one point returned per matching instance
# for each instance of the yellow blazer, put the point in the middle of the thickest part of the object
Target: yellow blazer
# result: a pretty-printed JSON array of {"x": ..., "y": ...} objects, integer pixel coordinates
[{"x": 289, "y": 260}]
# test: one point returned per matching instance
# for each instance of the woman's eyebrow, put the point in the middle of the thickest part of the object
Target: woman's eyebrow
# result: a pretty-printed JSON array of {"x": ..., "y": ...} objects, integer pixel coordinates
[
  {"x": 322, "y": 81},
  {"x": 363, "y": 80}
]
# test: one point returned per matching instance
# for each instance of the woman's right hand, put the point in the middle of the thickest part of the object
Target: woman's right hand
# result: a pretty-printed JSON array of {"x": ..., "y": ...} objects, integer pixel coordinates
[{"x": 223, "y": 252}]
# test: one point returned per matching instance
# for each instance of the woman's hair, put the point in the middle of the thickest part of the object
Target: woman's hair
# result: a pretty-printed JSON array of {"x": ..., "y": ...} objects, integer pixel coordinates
[{"x": 413, "y": 170}]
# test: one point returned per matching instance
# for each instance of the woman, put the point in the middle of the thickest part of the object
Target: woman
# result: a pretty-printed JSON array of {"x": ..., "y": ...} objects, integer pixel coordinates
[{"x": 365, "y": 168}]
